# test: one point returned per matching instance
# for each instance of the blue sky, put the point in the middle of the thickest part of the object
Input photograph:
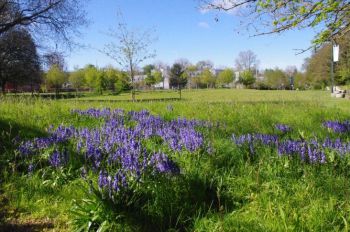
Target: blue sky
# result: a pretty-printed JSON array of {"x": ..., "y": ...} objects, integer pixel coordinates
[{"x": 183, "y": 31}]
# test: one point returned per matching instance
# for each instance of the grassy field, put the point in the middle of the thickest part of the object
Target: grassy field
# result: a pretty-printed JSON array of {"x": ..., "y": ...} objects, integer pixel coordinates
[{"x": 221, "y": 186}]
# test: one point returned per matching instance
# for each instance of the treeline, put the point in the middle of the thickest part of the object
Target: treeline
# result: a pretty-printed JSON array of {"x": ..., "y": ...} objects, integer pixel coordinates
[
  {"x": 318, "y": 66},
  {"x": 21, "y": 65},
  {"x": 21, "y": 68},
  {"x": 89, "y": 78}
]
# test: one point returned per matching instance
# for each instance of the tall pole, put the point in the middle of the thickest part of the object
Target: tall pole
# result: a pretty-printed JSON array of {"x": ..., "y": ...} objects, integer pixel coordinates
[{"x": 332, "y": 69}]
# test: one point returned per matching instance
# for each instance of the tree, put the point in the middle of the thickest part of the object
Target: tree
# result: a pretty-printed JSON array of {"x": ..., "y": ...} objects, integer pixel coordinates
[
  {"x": 54, "y": 58},
  {"x": 276, "y": 79},
  {"x": 225, "y": 77},
  {"x": 122, "y": 82},
  {"x": 55, "y": 19},
  {"x": 300, "y": 81},
  {"x": 131, "y": 50},
  {"x": 100, "y": 82},
  {"x": 158, "y": 76},
  {"x": 318, "y": 67},
  {"x": 246, "y": 60},
  {"x": 207, "y": 78},
  {"x": 342, "y": 68},
  {"x": 77, "y": 79},
  {"x": 150, "y": 79},
  {"x": 148, "y": 69},
  {"x": 95, "y": 79},
  {"x": 192, "y": 79},
  {"x": 111, "y": 77},
  {"x": 195, "y": 81},
  {"x": 185, "y": 63},
  {"x": 204, "y": 64},
  {"x": 19, "y": 61},
  {"x": 177, "y": 78},
  {"x": 55, "y": 78},
  {"x": 330, "y": 17},
  {"x": 247, "y": 78},
  {"x": 291, "y": 72}
]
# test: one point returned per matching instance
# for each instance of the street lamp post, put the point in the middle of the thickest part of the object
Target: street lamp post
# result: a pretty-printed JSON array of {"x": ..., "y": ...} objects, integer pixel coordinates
[
  {"x": 332, "y": 68},
  {"x": 335, "y": 58}
]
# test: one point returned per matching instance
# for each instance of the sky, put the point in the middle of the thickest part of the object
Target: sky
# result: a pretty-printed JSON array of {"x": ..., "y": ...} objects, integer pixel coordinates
[{"x": 184, "y": 31}]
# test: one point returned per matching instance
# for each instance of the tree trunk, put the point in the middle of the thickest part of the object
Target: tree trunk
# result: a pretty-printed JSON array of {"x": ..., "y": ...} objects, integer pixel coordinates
[
  {"x": 56, "y": 93},
  {"x": 132, "y": 81},
  {"x": 133, "y": 92},
  {"x": 3, "y": 87}
]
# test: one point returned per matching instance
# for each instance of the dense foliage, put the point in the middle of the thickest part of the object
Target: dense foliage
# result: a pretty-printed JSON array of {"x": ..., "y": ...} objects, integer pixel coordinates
[{"x": 19, "y": 60}]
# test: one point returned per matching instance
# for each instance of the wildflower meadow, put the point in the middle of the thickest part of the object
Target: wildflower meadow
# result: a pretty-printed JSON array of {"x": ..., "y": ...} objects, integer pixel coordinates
[{"x": 273, "y": 161}]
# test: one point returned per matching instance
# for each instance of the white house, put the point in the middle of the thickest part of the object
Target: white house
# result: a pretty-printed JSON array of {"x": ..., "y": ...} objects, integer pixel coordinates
[{"x": 165, "y": 83}]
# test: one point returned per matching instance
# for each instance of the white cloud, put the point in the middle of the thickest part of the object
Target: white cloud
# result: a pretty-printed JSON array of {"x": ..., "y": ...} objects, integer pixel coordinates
[{"x": 203, "y": 25}]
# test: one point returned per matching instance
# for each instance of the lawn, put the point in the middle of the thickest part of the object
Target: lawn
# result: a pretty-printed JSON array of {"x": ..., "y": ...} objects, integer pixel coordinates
[{"x": 216, "y": 183}]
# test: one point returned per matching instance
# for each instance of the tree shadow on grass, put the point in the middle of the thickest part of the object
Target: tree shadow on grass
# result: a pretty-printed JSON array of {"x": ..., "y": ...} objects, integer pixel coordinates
[
  {"x": 9, "y": 222},
  {"x": 9, "y": 130},
  {"x": 174, "y": 206},
  {"x": 28, "y": 227}
]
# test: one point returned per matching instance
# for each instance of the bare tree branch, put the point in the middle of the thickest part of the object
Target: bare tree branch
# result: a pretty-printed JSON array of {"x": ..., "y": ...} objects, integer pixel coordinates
[
  {"x": 57, "y": 20},
  {"x": 276, "y": 16},
  {"x": 131, "y": 49}
]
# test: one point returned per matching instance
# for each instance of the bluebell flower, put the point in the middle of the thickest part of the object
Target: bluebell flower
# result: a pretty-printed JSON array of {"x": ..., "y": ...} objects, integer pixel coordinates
[
  {"x": 163, "y": 164},
  {"x": 338, "y": 127},
  {"x": 283, "y": 128},
  {"x": 58, "y": 159}
]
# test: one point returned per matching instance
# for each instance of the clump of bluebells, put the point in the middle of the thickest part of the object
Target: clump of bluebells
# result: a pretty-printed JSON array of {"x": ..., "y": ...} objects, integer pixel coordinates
[
  {"x": 312, "y": 151},
  {"x": 338, "y": 127},
  {"x": 61, "y": 135},
  {"x": 308, "y": 151},
  {"x": 58, "y": 159},
  {"x": 283, "y": 128},
  {"x": 116, "y": 151}
]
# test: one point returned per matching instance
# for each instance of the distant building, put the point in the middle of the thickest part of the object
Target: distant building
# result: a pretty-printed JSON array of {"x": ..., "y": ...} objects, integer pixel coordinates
[
  {"x": 12, "y": 87},
  {"x": 216, "y": 72},
  {"x": 260, "y": 77},
  {"x": 165, "y": 83},
  {"x": 139, "y": 78}
]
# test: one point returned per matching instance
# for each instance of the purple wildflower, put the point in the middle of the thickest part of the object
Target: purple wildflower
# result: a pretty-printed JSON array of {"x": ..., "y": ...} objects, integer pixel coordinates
[
  {"x": 338, "y": 127},
  {"x": 58, "y": 159},
  {"x": 283, "y": 128},
  {"x": 163, "y": 164},
  {"x": 31, "y": 168}
]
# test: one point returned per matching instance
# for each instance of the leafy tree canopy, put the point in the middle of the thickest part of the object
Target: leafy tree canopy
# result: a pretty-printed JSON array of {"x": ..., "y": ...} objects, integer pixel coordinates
[
  {"x": 225, "y": 77},
  {"x": 247, "y": 78},
  {"x": 19, "y": 61},
  {"x": 329, "y": 17},
  {"x": 177, "y": 79},
  {"x": 55, "y": 77}
]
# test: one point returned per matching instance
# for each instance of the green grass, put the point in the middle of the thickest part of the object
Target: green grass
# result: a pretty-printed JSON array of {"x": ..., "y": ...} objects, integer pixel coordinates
[{"x": 268, "y": 193}]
